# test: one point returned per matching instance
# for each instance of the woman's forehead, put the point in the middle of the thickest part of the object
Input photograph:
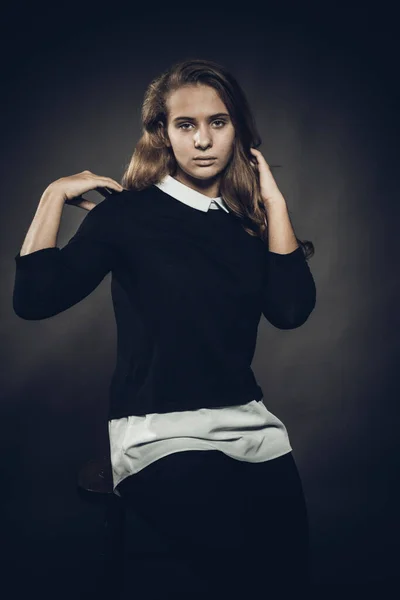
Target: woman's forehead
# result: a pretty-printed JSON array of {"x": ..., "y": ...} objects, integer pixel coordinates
[{"x": 202, "y": 100}]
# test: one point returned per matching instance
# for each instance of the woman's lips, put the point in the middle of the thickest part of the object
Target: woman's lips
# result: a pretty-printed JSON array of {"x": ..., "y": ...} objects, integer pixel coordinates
[{"x": 204, "y": 162}]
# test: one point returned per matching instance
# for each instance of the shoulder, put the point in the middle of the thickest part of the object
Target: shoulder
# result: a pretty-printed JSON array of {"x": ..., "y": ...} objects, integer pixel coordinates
[
  {"x": 119, "y": 207},
  {"x": 141, "y": 202},
  {"x": 110, "y": 207},
  {"x": 111, "y": 204}
]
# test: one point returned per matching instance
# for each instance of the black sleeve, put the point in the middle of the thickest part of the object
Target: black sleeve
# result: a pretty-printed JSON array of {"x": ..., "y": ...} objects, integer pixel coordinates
[
  {"x": 50, "y": 280},
  {"x": 289, "y": 294}
]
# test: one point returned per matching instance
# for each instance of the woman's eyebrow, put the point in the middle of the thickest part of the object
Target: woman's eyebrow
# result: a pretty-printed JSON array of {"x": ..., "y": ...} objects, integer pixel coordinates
[{"x": 220, "y": 114}]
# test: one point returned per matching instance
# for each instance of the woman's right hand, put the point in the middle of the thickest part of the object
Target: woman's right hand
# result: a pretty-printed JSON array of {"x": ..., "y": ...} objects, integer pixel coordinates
[{"x": 72, "y": 187}]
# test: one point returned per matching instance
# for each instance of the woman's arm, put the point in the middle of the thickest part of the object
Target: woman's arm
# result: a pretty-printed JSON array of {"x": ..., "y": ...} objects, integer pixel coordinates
[
  {"x": 48, "y": 279},
  {"x": 43, "y": 230},
  {"x": 289, "y": 294}
]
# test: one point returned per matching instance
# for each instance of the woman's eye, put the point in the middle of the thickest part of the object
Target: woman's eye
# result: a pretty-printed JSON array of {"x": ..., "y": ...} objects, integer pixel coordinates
[{"x": 217, "y": 121}]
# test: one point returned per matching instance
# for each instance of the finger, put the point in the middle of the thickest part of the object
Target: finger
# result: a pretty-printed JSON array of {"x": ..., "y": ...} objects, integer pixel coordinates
[
  {"x": 105, "y": 183},
  {"x": 81, "y": 202},
  {"x": 112, "y": 183},
  {"x": 86, "y": 204},
  {"x": 105, "y": 191}
]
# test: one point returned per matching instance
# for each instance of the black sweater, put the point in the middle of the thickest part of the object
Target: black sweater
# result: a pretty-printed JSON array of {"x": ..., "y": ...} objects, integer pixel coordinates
[{"x": 188, "y": 287}]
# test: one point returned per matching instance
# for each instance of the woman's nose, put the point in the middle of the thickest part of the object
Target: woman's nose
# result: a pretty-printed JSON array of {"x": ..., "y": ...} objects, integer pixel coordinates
[{"x": 202, "y": 137}]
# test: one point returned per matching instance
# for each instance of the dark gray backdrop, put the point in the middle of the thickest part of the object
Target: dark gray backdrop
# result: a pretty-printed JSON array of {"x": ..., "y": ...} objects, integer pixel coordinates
[{"x": 322, "y": 84}]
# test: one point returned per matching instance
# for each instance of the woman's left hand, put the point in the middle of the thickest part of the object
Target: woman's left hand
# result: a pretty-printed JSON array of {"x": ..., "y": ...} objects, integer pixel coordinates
[{"x": 268, "y": 187}]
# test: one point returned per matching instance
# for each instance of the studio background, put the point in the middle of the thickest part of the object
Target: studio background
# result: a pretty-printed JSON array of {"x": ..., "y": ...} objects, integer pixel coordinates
[{"x": 322, "y": 84}]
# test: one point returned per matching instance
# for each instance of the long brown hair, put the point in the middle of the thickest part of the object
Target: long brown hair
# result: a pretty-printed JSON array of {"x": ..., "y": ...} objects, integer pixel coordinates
[{"x": 152, "y": 159}]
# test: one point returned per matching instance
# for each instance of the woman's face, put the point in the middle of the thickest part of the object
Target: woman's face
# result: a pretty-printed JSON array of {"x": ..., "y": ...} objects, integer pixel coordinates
[{"x": 197, "y": 129}]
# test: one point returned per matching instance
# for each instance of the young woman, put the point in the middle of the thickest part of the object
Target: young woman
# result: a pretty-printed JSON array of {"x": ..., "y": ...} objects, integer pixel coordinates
[{"x": 200, "y": 245}]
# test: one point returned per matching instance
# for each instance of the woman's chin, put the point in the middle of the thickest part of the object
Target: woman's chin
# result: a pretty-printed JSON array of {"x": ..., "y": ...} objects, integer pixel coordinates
[{"x": 203, "y": 173}]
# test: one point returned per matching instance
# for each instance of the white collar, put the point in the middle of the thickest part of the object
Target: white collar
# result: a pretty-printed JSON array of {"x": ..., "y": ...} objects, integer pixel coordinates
[{"x": 189, "y": 196}]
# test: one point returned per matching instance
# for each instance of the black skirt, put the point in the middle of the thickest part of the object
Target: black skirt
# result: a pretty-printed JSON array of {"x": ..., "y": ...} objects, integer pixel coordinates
[{"x": 220, "y": 528}]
